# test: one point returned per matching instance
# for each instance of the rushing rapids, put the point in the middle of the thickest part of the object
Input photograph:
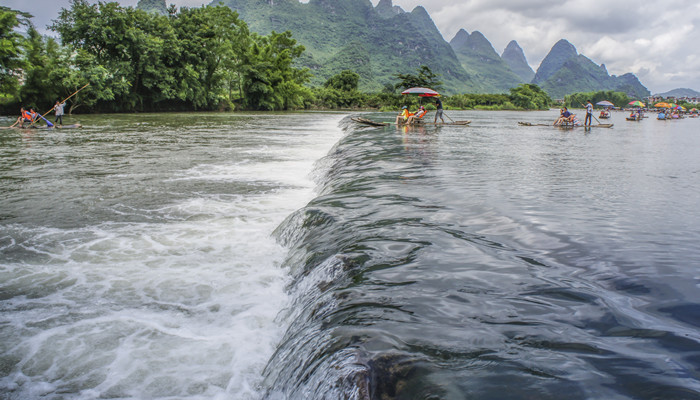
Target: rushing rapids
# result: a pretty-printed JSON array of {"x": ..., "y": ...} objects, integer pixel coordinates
[{"x": 179, "y": 257}]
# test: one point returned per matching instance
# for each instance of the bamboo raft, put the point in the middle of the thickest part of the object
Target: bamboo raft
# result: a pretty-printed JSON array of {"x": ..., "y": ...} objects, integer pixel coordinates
[
  {"x": 567, "y": 126},
  {"x": 369, "y": 122},
  {"x": 73, "y": 126}
]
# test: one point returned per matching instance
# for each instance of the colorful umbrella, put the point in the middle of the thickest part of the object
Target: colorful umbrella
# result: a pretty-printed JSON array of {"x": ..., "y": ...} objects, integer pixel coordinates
[
  {"x": 636, "y": 103},
  {"x": 662, "y": 105},
  {"x": 680, "y": 108},
  {"x": 605, "y": 103},
  {"x": 421, "y": 91},
  {"x": 673, "y": 105}
]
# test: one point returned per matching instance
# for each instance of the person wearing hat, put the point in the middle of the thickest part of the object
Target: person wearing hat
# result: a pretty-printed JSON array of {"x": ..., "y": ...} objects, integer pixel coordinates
[
  {"x": 404, "y": 116},
  {"x": 418, "y": 115}
]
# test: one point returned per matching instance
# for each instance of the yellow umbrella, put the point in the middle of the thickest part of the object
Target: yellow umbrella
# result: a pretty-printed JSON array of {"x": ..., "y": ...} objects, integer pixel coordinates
[{"x": 662, "y": 105}]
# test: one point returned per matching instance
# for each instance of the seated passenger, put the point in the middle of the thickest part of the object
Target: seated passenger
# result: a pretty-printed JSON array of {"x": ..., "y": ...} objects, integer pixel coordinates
[
  {"x": 404, "y": 116},
  {"x": 417, "y": 116},
  {"x": 565, "y": 117}
]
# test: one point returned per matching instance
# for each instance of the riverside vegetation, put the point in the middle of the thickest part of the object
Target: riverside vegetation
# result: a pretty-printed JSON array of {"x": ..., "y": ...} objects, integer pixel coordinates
[{"x": 190, "y": 59}]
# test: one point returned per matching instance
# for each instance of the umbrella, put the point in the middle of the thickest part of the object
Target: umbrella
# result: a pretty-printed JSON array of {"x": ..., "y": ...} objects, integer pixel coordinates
[
  {"x": 421, "y": 91},
  {"x": 672, "y": 105},
  {"x": 662, "y": 105},
  {"x": 605, "y": 103},
  {"x": 636, "y": 103},
  {"x": 681, "y": 108}
]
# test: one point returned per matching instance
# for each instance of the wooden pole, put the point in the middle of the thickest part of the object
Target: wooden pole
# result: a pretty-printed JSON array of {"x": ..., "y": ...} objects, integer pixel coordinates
[{"x": 64, "y": 100}]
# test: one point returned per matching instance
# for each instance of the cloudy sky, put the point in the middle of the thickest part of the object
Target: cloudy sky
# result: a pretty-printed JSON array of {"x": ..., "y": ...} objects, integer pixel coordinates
[{"x": 656, "y": 40}]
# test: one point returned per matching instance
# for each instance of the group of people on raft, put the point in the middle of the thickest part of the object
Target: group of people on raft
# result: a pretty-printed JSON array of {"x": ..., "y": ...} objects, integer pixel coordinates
[
  {"x": 567, "y": 118},
  {"x": 32, "y": 116},
  {"x": 408, "y": 118}
]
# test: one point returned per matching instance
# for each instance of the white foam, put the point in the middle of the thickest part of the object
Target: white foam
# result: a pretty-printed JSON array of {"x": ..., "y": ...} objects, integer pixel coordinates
[{"x": 184, "y": 308}]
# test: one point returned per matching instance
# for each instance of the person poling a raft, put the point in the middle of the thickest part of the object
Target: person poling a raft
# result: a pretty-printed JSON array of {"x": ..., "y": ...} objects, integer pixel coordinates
[{"x": 58, "y": 103}]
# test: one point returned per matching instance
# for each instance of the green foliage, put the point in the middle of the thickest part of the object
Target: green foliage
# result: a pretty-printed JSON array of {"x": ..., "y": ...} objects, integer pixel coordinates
[
  {"x": 578, "y": 100},
  {"x": 344, "y": 81},
  {"x": 425, "y": 78},
  {"x": 350, "y": 34},
  {"x": 269, "y": 80},
  {"x": 197, "y": 58},
  {"x": 11, "y": 62},
  {"x": 340, "y": 91},
  {"x": 469, "y": 101},
  {"x": 525, "y": 96},
  {"x": 529, "y": 96}
]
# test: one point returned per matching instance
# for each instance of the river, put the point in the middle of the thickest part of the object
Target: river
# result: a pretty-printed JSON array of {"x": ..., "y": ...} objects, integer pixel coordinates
[{"x": 299, "y": 256}]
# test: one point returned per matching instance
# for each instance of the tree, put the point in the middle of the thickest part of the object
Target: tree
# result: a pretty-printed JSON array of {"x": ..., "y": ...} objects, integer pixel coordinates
[
  {"x": 424, "y": 78},
  {"x": 344, "y": 81},
  {"x": 529, "y": 96},
  {"x": 136, "y": 47},
  {"x": 213, "y": 45},
  {"x": 270, "y": 81},
  {"x": 11, "y": 62},
  {"x": 574, "y": 100}
]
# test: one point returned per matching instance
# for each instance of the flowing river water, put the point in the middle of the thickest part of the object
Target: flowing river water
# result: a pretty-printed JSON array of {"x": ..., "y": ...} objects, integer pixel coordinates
[{"x": 299, "y": 256}]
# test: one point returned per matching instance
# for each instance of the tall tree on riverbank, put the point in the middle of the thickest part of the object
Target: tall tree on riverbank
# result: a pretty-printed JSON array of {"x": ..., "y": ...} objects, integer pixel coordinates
[
  {"x": 11, "y": 61},
  {"x": 270, "y": 81},
  {"x": 201, "y": 58}
]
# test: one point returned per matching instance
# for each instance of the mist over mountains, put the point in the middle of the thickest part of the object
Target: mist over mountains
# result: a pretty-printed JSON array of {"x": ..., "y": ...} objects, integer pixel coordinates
[{"x": 380, "y": 42}]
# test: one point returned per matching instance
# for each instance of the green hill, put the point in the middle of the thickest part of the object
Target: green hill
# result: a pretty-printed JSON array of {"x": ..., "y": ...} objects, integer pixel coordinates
[
  {"x": 480, "y": 60},
  {"x": 514, "y": 56},
  {"x": 380, "y": 42},
  {"x": 563, "y": 71},
  {"x": 680, "y": 92},
  {"x": 377, "y": 43}
]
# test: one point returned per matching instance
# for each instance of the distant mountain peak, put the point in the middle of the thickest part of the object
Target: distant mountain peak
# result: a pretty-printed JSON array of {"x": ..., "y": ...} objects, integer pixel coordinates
[
  {"x": 460, "y": 39},
  {"x": 560, "y": 53},
  {"x": 476, "y": 43},
  {"x": 387, "y": 9},
  {"x": 564, "y": 45},
  {"x": 478, "y": 56},
  {"x": 680, "y": 92},
  {"x": 514, "y": 56},
  {"x": 157, "y": 6}
]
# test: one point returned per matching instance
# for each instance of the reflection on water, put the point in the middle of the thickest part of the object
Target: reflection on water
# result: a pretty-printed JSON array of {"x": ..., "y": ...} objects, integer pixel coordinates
[
  {"x": 469, "y": 262},
  {"x": 482, "y": 262}
]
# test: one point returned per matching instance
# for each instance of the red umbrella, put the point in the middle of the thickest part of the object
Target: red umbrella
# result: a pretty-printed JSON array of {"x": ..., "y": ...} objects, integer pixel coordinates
[{"x": 421, "y": 91}]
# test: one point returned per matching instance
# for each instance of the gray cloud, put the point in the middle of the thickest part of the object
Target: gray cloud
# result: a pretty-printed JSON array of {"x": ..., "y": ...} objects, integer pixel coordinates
[{"x": 654, "y": 40}]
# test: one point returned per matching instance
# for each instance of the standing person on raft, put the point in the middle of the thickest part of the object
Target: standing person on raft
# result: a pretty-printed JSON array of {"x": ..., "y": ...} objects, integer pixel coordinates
[
  {"x": 589, "y": 114},
  {"x": 438, "y": 112},
  {"x": 58, "y": 109}
]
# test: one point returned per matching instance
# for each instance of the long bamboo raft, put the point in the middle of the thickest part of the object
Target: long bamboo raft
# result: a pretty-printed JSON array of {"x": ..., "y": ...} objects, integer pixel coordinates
[
  {"x": 369, "y": 122},
  {"x": 566, "y": 126},
  {"x": 73, "y": 126}
]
